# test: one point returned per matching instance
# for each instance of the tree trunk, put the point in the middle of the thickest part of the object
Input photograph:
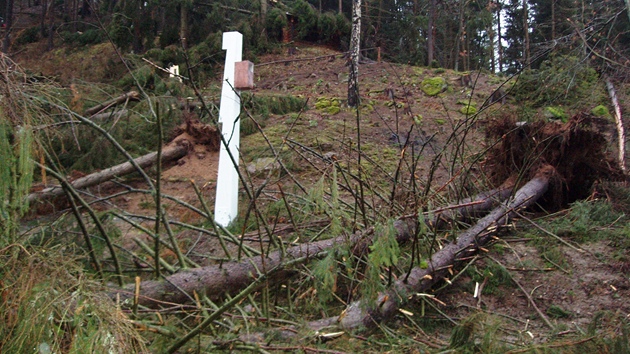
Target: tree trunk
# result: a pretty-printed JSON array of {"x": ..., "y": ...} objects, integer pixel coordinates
[
  {"x": 420, "y": 280},
  {"x": 42, "y": 20},
  {"x": 263, "y": 11},
  {"x": 355, "y": 43},
  {"x": 6, "y": 43},
  {"x": 431, "y": 33},
  {"x": 553, "y": 20},
  {"x": 169, "y": 153},
  {"x": 526, "y": 57},
  {"x": 621, "y": 134},
  {"x": 230, "y": 278},
  {"x": 129, "y": 96},
  {"x": 490, "y": 30},
  {"x": 50, "y": 43},
  {"x": 183, "y": 25},
  {"x": 500, "y": 37},
  {"x": 460, "y": 51},
  {"x": 138, "y": 13}
]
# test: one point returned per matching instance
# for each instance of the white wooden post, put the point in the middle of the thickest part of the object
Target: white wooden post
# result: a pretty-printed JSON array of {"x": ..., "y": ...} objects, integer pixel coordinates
[
  {"x": 226, "y": 203},
  {"x": 174, "y": 72}
]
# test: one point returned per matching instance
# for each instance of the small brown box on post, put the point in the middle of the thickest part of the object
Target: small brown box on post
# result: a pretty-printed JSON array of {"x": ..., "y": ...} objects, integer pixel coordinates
[{"x": 244, "y": 75}]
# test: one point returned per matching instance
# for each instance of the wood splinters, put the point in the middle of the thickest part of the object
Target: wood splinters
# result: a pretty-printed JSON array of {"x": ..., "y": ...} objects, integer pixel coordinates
[
  {"x": 405, "y": 312},
  {"x": 342, "y": 315}
]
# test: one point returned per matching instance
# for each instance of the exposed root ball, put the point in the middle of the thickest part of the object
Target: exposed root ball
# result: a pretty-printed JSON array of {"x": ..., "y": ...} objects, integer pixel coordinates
[
  {"x": 199, "y": 133},
  {"x": 577, "y": 150}
]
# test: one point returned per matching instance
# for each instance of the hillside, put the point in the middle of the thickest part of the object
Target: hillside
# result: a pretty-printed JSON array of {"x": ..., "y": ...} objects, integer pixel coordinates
[{"x": 317, "y": 169}]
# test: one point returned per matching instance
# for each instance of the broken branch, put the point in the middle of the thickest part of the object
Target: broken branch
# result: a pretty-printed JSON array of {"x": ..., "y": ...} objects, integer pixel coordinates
[
  {"x": 169, "y": 153},
  {"x": 129, "y": 96}
]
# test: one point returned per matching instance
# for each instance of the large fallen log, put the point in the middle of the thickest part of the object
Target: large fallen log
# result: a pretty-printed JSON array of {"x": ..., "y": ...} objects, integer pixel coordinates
[
  {"x": 441, "y": 263},
  {"x": 229, "y": 278},
  {"x": 169, "y": 153},
  {"x": 129, "y": 96}
]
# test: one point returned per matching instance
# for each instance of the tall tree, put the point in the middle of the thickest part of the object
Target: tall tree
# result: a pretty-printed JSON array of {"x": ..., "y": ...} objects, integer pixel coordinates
[
  {"x": 526, "y": 52},
  {"x": 6, "y": 43},
  {"x": 460, "y": 46},
  {"x": 499, "y": 36},
  {"x": 515, "y": 36},
  {"x": 430, "y": 32},
  {"x": 355, "y": 51},
  {"x": 490, "y": 31},
  {"x": 183, "y": 23}
]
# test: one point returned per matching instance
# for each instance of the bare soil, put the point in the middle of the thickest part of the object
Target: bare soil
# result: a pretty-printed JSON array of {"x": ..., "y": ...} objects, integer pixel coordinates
[{"x": 589, "y": 282}]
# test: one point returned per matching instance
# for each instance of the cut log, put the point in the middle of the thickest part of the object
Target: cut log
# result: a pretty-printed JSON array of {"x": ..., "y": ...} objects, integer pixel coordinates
[
  {"x": 421, "y": 280},
  {"x": 129, "y": 96},
  {"x": 169, "y": 153},
  {"x": 230, "y": 278}
]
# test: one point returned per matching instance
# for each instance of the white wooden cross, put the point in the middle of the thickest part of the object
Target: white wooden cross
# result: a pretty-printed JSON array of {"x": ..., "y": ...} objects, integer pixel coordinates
[{"x": 226, "y": 203}]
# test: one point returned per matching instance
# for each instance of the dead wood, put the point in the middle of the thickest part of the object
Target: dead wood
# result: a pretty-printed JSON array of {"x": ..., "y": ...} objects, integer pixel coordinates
[
  {"x": 229, "y": 278},
  {"x": 471, "y": 207},
  {"x": 129, "y": 96},
  {"x": 169, "y": 153},
  {"x": 198, "y": 132},
  {"x": 109, "y": 115},
  {"x": 442, "y": 263},
  {"x": 576, "y": 149}
]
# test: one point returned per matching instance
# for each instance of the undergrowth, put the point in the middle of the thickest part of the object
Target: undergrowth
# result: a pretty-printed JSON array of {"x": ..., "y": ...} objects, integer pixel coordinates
[
  {"x": 589, "y": 221},
  {"x": 49, "y": 304}
]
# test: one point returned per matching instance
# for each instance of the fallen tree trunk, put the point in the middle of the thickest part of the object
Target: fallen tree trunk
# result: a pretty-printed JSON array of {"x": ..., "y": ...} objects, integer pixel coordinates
[
  {"x": 169, "y": 153},
  {"x": 229, "y": 278},
  {"x": 471, "y": 207},
  {"x": 129, "y": 96},
  {"x": 441, "y": 263},
  {"x": 109, "y": 115}
]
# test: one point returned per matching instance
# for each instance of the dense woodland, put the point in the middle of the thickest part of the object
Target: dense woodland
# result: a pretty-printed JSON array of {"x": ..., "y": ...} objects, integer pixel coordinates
[
  {"x": 471, "y": 197},
  {"x": 499, "y": 36}
]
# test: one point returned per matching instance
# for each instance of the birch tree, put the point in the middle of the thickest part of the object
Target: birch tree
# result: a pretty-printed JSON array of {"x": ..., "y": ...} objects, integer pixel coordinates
[{"x": 355, "y": 43}]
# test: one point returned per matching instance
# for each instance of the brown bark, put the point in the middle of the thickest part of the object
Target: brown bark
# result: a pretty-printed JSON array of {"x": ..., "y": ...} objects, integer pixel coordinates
[
  {"x": 169, "y": 153},
  {"x": 129, "y": 96},
  {"x": 183, "y": 25},
  {"x": 6, "y": 43},
  {"x": 431, "y": 33},
  {"x": 421, "y": 280},
  {"x": 460, "y": 47},
  {"x": 231, "y": 277}
]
